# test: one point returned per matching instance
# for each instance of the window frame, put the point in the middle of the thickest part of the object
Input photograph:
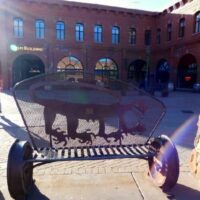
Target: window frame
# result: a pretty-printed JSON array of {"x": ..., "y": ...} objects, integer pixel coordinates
[
  {"x": 169, "y": 31},
  {"x": 158, "y": 36},
  {"x": 18, "y": 27},
  {"x": 132, "y": 36},
  {"x": 39, "y": 29},
  {"x": 147, "y": 37},
  {"x": 197, "y": 23},
  {"x": 60, "y": 30},
  {"x": 79, "y": 32},
  {"x": 98, "y": 33},
  {"x": 181, "y": 31},
  {"x": 115, "y": 35}
]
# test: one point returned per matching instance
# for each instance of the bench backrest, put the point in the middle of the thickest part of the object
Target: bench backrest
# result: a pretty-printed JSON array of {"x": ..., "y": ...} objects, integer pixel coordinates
[{"x": 77, "y": 109}]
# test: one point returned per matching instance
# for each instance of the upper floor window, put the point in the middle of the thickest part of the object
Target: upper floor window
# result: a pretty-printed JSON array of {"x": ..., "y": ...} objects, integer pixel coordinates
[
  {"x": 181, "y": 31},
  {"x": 18, "y": 28},
  {"x": 79, "y": 32},
  {"x": 158, "y": 36},
  {"x": 197, "y": 23},
  {"x": 115, "y": 35},
  {"x": 147, "y": 37},
  {"x": 39, "y": 29},
  {"x": 98, "y": 33},
  {"x": 169, "y": 32},
  {"x": 60, "y": 30},
  {"x": 132, "y": 36}
]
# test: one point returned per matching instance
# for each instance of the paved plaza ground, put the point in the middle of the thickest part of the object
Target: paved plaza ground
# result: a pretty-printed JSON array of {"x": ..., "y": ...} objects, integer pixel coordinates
[{"x": 108, "y": 179}]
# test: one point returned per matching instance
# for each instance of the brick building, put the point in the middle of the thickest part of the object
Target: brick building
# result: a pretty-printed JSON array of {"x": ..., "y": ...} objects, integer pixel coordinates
[{"x": 40, "y": 36}]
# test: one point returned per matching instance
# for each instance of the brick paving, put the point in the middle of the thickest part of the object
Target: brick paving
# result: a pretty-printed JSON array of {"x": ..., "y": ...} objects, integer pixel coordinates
[{"x": 11, "y": 127}]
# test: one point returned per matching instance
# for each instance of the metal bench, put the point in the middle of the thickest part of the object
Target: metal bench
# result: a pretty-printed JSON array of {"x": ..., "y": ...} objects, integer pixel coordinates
[{"x": 88, "y": 118}]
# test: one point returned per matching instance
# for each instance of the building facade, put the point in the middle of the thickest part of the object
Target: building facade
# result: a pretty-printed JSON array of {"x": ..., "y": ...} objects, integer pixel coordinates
[{"x": 42, "y": 36}]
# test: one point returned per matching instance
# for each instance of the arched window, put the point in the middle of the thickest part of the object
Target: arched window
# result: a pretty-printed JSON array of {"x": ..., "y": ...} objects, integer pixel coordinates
[
  {"x": 115, "y": 35},
  {"x": 60, "y": 30},
  {"x": 18, "y": 27},
  {"x": 39, "y": 29},
  {"x": 106, "y": 67},
  {"x": 132, "y": 36},
  {"x": 197, "y": 22},
  {"x": 181, "y": 31},
  {"x": 79, "y": 32},
  {"x": 69, "y": 63}
]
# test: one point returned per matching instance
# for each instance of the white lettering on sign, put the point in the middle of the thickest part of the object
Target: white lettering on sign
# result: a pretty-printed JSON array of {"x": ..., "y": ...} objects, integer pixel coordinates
[{"x": 25, "y": 48}]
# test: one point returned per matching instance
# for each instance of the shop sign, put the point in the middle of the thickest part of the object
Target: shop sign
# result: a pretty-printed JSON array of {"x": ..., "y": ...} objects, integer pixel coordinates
[{"x": 14, "y": 47}]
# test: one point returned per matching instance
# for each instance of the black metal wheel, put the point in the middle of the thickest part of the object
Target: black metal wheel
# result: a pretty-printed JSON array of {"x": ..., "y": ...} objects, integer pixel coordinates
[
  {"x": 19, "y": 171},
  {"x": 164, "y": 166}
]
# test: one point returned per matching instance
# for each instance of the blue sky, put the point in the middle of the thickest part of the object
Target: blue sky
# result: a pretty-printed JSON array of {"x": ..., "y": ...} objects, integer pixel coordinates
[{"x": 151, "y": 5}]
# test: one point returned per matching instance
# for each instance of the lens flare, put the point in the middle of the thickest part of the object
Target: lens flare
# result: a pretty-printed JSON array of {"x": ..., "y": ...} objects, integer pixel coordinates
[{"x": 184, "y": 133}]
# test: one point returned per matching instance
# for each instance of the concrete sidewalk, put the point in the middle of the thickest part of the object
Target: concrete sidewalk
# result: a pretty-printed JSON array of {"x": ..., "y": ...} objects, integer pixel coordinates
[{"x": 108, "y": 179}]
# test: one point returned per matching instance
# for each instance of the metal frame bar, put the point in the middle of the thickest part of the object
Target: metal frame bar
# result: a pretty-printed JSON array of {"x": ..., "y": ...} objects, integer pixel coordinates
[{"x": 93, "y": 153}]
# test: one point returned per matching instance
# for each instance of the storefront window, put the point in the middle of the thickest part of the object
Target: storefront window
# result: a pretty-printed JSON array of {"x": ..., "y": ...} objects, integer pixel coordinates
[{"x": 69, "y": 63}]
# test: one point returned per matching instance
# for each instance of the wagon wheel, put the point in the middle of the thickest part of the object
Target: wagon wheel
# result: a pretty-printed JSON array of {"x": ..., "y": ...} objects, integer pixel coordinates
[
  {"x": 19, "y": 172},
  {"x": 164, "y": 166}
]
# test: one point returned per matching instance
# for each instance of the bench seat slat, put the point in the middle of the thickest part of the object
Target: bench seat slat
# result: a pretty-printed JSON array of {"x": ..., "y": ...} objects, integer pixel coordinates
[
  {"x": 132, "y": 151},
  {"x": 116, "y": 151},
  {"x": 110, "y": 151},
  {"x": 88, "y": 152},
  {"x": 128, "y": 151},
  {"x": 120, "y": 150},
  {"x": 139, "y": 150},
  {"x": 92, "y": 152},
  {"x": 101, "y": 151}
]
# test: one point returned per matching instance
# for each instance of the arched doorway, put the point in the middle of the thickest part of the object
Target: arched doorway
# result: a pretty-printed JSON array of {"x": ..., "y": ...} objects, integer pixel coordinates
[
  {"x": 106, "y": 67},
  {"x": 26, "y": 66},
  {"x": 69, "y": 64},
  {"x": 187, "y": 71},
  {"x": 137, "y": 71},
  {"x": 162, "y": 71}
]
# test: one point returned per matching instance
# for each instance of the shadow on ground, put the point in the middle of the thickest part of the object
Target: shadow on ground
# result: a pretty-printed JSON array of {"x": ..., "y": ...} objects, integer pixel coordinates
[
  {"x": 180, "y": 192},
  {"x": 36, "y": 194},
  {"x": 19, "y": 132},
  {"x": 13, "y": 129},
  {"x": 1, "y": 196}
]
